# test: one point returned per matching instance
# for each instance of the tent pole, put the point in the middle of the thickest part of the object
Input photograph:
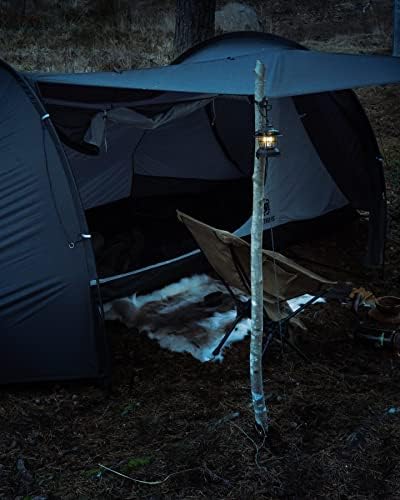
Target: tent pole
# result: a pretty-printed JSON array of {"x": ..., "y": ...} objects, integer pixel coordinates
[{"x": 257, "y": 295}]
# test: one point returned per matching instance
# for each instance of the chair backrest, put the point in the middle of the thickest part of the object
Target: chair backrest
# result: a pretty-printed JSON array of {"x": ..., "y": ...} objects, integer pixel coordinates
[{"x": 229, "y": 256}]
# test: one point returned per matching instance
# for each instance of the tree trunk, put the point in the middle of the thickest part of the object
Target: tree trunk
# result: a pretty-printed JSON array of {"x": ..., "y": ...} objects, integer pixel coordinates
[
  {"x": 257, "y": 295},
  {"x": 194, "y": 22},
  {"x": 396, "y": 28}
]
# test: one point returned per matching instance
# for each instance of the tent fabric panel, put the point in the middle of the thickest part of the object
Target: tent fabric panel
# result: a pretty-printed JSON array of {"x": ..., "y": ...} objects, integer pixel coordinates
[
  {"x": 343, "y": 137},
  {"x": 106, "y": 177},
  {"x": 300, "y": 72},
  {"x": 290, "y": 73},
  {"x": 126, "y": 116},
  {"x": 104, "y": 185},
  {"x": 238, "y": 43},
  {"x": 46, "y": 326},
  {"x": 298, "y": 186},
  {"x": 148, "y": 186},
  {"x": 81, "y": 124},
  {"x": 87, "y": 95},
  {"x": 344, "y": 148},
  {"x": 186, "y": 148},
  {"x": 235, "y": 136},
  {"x": 77, "y": 97}
]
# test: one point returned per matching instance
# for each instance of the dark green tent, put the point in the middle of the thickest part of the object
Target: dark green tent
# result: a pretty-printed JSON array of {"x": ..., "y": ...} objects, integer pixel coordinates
[{"x": 181, "y": 136}]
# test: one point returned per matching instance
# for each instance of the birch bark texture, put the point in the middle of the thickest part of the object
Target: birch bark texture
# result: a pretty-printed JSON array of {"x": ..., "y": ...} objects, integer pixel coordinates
[{"x": 257, "y": 296}]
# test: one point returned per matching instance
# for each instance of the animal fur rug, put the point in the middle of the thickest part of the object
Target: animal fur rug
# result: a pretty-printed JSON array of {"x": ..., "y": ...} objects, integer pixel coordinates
[{"x": 183, "y": 317}]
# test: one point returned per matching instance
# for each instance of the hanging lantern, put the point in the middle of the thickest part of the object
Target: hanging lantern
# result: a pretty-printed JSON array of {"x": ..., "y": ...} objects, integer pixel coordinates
[{"x": 267, "y": 141}]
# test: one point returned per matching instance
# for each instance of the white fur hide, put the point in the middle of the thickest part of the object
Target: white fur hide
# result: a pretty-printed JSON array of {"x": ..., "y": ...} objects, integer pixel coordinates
[{"x": 179, "y": 319}]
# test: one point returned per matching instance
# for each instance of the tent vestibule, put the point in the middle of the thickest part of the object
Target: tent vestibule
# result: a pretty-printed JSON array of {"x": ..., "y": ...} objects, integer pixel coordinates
[{"x": 115, "y": 155}]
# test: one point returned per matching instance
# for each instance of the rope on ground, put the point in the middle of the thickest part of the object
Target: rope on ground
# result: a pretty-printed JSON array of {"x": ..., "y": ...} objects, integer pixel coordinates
[{"x": 151, "y": 483}]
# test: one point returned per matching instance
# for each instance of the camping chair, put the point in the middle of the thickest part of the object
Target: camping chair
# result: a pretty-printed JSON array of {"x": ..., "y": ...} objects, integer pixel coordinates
[{"x": 229, "y": 256}]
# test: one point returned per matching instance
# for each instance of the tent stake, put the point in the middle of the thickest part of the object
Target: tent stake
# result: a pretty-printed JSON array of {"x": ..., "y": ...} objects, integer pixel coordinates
[{"x": 257, "y": 296}]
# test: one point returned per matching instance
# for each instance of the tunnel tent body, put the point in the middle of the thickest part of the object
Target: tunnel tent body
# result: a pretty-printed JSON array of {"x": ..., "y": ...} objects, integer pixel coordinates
[
  {"x": 72, "y": 143},
  {"x": 50, "y": 317}
]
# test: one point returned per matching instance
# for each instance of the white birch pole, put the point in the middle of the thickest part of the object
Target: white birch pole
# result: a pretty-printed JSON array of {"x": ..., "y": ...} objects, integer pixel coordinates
[{"x": 256, "y": 372}]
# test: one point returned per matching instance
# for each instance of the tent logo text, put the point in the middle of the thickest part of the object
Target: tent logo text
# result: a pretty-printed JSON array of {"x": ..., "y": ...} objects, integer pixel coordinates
[{"x": 267, "y": 212}]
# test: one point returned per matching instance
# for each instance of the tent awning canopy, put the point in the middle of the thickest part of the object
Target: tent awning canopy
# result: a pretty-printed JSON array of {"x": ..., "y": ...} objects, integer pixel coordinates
[{"x": 290, "y": 72}]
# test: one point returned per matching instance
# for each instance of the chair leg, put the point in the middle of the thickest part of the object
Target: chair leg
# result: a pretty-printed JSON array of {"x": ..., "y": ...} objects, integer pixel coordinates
[
  {"x": 239, "y": 317},
  {"x": 272, "y": 336}
]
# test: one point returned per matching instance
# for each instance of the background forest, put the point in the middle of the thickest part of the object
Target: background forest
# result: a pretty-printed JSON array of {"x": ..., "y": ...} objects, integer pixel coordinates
[{"x": 87, "y": 35}]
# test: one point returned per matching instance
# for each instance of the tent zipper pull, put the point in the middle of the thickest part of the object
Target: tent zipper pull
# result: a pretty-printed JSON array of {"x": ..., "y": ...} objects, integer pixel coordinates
[{"x": 82, "y": 237}]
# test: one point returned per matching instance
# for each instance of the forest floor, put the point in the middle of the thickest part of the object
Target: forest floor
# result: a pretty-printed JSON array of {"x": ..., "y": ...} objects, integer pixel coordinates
[{"x": 188, "y": 426}]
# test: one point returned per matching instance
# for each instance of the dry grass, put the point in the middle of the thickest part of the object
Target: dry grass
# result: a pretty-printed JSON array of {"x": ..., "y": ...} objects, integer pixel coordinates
[
  {"x": 378, "y": 42},
  {"x": 329, "y": 25},
  {"x": 78, "y": 39},
  {"x": 73, "y": 36}
]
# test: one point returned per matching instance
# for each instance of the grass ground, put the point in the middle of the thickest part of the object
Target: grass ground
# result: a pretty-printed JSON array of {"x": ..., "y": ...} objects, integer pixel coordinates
[{"x": 333, "y": 434}]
